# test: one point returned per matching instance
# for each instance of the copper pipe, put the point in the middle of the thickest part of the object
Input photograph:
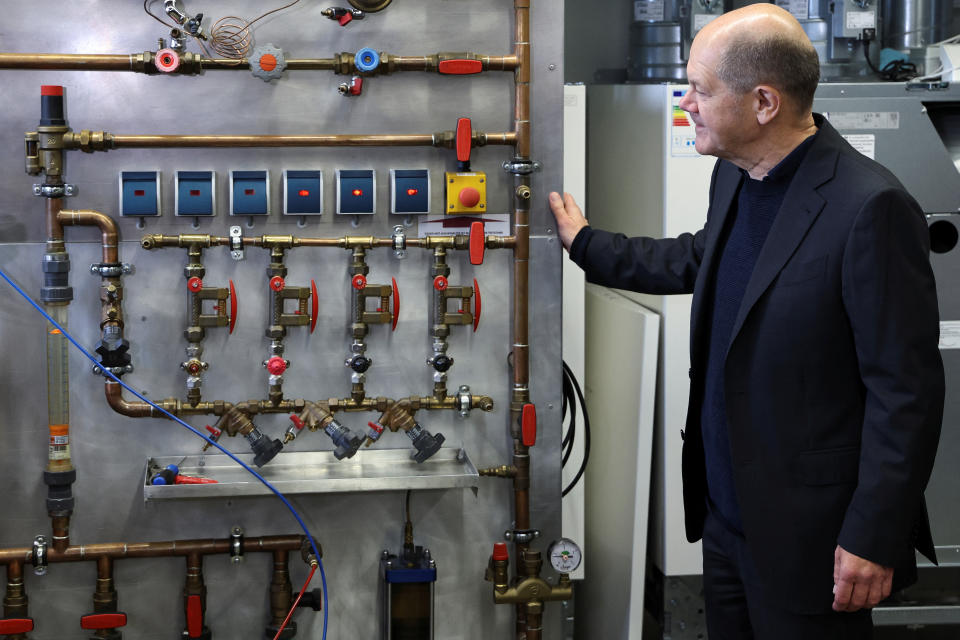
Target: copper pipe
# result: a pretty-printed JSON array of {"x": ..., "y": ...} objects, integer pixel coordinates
[
  {"x": 15, "y": 599},
  {"x": 54, "y": 228},
  {"x": 66, "y": 61},
  {"x": 167, "y": 549},
  {"x": 281, "y": 590},
  {"x": 108, "y": 229},
  {"x": 181, "y": 141},
  {"x": 61, "y": 532}
]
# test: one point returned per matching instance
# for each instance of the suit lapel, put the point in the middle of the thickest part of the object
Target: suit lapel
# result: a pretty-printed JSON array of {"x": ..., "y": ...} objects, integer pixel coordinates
[
  {"x": 727, "y": 187},
  {"x": 801, "y": 206}
]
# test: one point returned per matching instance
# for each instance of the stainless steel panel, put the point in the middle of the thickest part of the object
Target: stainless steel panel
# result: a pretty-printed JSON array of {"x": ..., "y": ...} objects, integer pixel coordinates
[{"x": 109, "y": 450}]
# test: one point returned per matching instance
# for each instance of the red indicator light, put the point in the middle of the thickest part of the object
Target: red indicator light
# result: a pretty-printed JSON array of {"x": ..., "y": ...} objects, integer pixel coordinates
[
  {"x": 303, "y": 193},
  {"x": 412, "y": 192},
  {"x": 194, "y": 192},
  {"x": 249, "y": 192},
  {"x": 357, "y": 192},
  {"x": 139, "y": 192}
]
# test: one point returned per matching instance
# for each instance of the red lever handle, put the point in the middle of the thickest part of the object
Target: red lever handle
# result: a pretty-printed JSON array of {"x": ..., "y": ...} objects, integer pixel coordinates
[
  {"x": 478, "y": 242},
  {"x": 214, "y": 432},
  {"x": 396, "y": 304},
  {"x": 464, "y": 139},
  {"x": 103, "y": 621},
  {"x": 11, "y": 626},
  {"x": 315, "y": 310},
  {"x": 297, "y": 422},
  {"x": 476, "y": 305},
  {"x": 345, "y": 19},
  {"x": 194, "y": 616},
  {"x": 528, "y": 425},
  {"x": 233, "y": 307},
  {"x": 500, "y": 552},
  {"x": 460, "y": 67}
]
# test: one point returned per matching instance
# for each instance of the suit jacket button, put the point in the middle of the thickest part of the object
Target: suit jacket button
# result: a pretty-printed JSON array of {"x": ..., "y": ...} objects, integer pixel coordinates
[
  {"x": 683, "y": 436},
  {"x": 690, "y": 373}
]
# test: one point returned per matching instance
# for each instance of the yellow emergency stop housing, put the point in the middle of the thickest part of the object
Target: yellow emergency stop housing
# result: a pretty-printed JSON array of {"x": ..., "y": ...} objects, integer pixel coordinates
[{"x": 466, "y": 192}]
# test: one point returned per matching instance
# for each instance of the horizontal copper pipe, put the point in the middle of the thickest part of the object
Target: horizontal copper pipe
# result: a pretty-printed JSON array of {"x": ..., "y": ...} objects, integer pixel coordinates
[
  {"x": 183, "y": 241},
  {"x": 172, "y": 548},
  {"x": 140, "y": 142},
  {"x": 66, "y": 61},
  {"x": 108, "y": 229}
]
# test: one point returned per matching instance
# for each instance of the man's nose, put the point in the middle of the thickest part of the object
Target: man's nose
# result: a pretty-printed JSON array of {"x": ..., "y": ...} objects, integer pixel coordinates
[{"x": 686, "y": 103}]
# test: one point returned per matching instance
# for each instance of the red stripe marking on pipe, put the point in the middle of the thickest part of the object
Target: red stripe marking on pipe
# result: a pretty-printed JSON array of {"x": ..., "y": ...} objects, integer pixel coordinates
[
  {"x": 194, "y": 616},
  {"x": 51, "y": 90}
]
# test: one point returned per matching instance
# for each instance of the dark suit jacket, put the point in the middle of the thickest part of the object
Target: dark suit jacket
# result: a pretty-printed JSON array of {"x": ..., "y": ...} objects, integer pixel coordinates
[{"x": 834, "y": 382}]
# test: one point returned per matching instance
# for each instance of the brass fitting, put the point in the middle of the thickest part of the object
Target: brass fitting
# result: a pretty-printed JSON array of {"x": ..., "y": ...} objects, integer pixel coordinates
[
  {"x": 88, "y": 141},
  {"x": 529, "y": 589},
  {"x": 523, "y": 192},
  {"x": 398, "y": 417},
  {"x": 503, "y": 471}
]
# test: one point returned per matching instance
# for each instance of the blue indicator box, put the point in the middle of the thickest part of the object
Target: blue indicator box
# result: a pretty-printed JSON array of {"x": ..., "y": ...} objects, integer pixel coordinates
[
  {"x": 196, "y": 193},
  {"x": 355, "y": 191},
  {"x": 140, "y": 193},
  {"x": 409, "y": 191},
  {"x": 249, "y": 193},
  {"x": 302, "y": 193}
]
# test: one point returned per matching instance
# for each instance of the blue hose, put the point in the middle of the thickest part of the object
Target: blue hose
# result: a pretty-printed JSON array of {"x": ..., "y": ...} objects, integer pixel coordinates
[{"x": 313, "y": 545}]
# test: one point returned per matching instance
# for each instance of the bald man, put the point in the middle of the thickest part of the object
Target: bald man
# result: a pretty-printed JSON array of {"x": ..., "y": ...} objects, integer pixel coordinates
[{"x": 816, "y": 385}]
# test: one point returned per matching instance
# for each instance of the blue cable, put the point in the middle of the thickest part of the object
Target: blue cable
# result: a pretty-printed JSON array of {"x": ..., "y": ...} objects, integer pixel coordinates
[{"x": 266, "y": 483}]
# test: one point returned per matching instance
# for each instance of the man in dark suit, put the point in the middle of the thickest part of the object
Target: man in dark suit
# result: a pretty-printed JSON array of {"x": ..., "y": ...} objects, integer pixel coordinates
[{"x": 817, "y": 387}]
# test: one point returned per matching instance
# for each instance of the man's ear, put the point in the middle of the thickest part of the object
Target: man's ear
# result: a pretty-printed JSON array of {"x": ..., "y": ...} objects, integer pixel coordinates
[{"x": 767, "y": 102}]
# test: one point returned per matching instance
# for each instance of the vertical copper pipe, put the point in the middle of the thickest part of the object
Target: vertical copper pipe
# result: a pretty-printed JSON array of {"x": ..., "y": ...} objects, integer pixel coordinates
[
  {"x": 105, "y": 595},
  {"x": 281, "y": 591},
  {"x": 54, "y": 228},
  {"x": 15, "y": 599},
  {"x": 194, "y": 596},
  {"x": 521, "y": 261}
]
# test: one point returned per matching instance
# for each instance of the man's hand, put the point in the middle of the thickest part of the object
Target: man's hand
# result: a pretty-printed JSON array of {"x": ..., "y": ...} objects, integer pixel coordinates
[
  {"x": 857, "y": 582},
  {"x": 569, "y": 217}
]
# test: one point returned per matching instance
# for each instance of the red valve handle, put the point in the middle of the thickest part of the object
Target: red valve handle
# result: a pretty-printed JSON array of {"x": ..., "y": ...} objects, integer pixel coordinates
[
  {"x": 464, "y": 139},
  {"x": 528, "y": 425},
  {"x": 359, "y": 282},
  {"x": 297, "y": 422},
  {"x": 396, "y": 304},
  {"x": 214, "y": 431},
  {"x": 476, "y": 305},
  {"x": 376, "y": 427},
  {"x": 195, "y": 284},
  {"x": 233, "y": 307},
  {"x": 193, "y": 368},
  {"x": 356, "y": 86},
  {"x": 194, "y": 616},
  {"x": 460, "y": 67},
  {"x": 277, "y": 283},
  {"x": 11, "y": 626},
  {"x": 478, "y": 242},
  {"x": 345, "y": 19},
  {"x": 500, "y": 552},
  {"x": 103, "y": 621},
  {"x": 166, "y": 60},
  {"x": 276, "y": 365},
  {"x": 440, "y": 283},
  {"x": 315, "y": 308}
]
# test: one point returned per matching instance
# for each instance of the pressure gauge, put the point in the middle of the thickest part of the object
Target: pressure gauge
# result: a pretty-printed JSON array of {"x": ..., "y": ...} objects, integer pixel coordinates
[{"x": 565, "y": 555}]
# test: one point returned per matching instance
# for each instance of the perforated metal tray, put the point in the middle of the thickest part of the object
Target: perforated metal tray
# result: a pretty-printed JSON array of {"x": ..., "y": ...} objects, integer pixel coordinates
[{"x": 316, "y": 472}]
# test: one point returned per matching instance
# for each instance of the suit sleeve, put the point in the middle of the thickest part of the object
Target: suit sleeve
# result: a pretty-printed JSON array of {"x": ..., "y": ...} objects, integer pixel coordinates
[
  {"x": 890, "y": 297},
  {"x": 645, "y": 265}
]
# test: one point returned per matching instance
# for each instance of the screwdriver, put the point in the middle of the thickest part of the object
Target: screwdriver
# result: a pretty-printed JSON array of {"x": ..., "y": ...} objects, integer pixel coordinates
[{"x": 171, "y": 475}]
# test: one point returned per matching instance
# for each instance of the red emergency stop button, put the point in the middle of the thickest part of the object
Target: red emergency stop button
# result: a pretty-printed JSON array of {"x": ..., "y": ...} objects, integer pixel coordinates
[
  {"x": 500, "y": 552},
  {"x": 103, "y": 621},
  {"x": 469, "y": 197},
  {"x": 195, "y": 284},
  {"x": 276, "y": 366},
  {"x": 11, "y": 626},
  {"x": 528, "y": 425}
]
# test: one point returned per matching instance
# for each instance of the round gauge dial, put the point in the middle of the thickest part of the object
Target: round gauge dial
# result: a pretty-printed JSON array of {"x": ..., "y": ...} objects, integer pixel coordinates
[{"x": 565, "y": 555}]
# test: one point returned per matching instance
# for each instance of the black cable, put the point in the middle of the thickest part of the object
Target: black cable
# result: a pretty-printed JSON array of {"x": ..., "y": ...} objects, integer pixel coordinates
[
  {"x": 893, "y": 71},
  {"x": 568, "y": 440},
  {"x": 586, "y": 431}
]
